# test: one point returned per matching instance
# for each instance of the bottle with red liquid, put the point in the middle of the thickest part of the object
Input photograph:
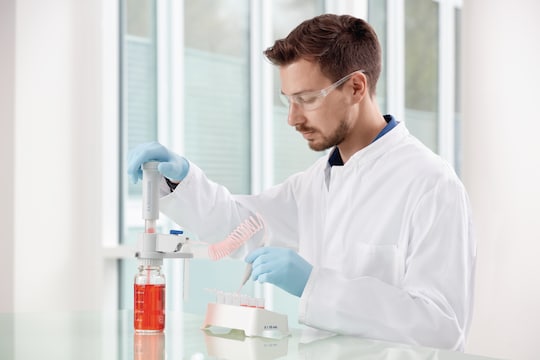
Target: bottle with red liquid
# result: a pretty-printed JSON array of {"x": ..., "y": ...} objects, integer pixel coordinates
[{"x": 149, "y": 297}]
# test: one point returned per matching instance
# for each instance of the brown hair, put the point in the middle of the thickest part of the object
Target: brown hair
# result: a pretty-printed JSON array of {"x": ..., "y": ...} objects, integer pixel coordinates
[{"x": 340, "y": 44}]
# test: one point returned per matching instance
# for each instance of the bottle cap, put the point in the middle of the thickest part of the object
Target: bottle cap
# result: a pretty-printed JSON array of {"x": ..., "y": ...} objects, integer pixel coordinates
[{"x": 150, "y": 262}]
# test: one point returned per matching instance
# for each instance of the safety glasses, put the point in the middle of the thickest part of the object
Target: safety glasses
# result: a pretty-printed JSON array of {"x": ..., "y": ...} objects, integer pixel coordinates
[{"x": 311, "y": 100}]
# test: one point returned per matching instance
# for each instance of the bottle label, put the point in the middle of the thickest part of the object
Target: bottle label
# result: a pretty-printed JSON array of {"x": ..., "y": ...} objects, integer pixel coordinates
[{"x": 149, "y": 307}]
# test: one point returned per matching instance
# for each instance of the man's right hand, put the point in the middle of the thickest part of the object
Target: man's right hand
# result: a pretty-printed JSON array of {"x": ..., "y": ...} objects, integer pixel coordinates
[{"x": 172, "y": 166}]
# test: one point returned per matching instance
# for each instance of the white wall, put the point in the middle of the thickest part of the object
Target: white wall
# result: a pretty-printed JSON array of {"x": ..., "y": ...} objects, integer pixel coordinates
[
  {"x": 501, "y": 93},
  {"x": 7, "y": 125},
  {"x": 57, "y": 172}
]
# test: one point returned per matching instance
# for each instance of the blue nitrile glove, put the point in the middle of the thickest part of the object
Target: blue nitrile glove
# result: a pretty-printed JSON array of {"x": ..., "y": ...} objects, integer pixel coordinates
[
  {"x": 172, "y": 166},
  {"x": 280, "y": 266}
]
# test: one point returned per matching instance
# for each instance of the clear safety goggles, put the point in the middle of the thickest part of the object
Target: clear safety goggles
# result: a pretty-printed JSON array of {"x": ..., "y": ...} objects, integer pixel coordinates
[{"x": 311, "y": 100}]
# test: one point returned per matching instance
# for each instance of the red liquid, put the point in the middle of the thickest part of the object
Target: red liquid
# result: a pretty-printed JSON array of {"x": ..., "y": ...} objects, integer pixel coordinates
[{"x": 149, "y": 307}]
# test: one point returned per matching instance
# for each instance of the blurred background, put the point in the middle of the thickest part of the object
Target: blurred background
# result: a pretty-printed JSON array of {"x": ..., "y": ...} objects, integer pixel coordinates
[{"x": 82, "y": 82}]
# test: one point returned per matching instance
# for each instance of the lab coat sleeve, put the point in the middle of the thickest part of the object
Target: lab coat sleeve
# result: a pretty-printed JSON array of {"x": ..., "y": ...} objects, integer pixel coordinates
[
  {"x": 430, "y": 305},
  {"x": 210, "y": 211}
]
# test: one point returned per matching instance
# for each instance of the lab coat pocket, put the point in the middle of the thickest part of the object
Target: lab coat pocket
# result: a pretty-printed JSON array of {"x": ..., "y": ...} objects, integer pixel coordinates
[{"x": 378, "y": 261}]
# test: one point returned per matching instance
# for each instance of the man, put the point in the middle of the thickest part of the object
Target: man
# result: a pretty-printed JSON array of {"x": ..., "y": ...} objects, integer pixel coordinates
[{"x": 375, "y": 238}]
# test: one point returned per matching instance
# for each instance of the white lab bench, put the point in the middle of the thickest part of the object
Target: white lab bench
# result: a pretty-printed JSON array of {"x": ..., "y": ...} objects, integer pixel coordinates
[{"x": 110, "y": 335}]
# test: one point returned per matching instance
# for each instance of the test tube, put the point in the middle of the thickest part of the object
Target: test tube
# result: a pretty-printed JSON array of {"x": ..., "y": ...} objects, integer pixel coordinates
[
  {"x": 150, "y": 226},
  {"x": 150, "y": 195},
  {"x": 228, "y": 299},
  {"x": 220, "y": 297},
  {"x": 236, "y": 299}
]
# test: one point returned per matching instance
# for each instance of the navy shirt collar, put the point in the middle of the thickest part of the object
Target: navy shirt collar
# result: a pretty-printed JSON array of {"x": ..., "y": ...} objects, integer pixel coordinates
[{"x": 335, "y": 157}]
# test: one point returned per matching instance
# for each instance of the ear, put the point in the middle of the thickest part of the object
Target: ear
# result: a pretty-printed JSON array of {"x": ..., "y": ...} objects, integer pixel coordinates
[{"x": 359, "y": 86}]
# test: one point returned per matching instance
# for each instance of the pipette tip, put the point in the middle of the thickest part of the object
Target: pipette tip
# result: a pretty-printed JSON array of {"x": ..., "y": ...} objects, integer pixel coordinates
[{"x": 247, "y": 275}]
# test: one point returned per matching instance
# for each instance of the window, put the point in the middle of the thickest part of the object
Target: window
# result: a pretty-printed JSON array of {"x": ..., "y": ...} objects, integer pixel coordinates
[
  {"x": 421, "y": 70},
  {"x": 216, "y": 68},
  {"x": 378, "y": 19},
  {"x": 193, "y": 76},
  {"x": 138, "y": 117}
]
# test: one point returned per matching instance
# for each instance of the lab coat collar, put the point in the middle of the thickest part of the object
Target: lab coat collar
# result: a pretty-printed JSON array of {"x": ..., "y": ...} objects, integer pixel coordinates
[
  {"x": 369, "y": 153},
  {"x": 335, "y": 159}
]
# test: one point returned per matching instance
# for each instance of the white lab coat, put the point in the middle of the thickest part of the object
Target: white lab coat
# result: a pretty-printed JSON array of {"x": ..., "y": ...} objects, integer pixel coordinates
[{"x": 388, "y": 235}]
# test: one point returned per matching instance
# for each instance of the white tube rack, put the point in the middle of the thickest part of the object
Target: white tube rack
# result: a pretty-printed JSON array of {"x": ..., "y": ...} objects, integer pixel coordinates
[{"x": 253, "y": 321}]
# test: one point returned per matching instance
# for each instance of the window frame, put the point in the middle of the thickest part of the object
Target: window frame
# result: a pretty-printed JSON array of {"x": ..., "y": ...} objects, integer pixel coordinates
[{"x": 170, "y": 65}]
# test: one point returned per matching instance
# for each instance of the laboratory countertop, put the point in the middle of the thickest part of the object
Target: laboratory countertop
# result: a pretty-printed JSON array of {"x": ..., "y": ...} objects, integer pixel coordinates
[{"x": 101, "y": 335}]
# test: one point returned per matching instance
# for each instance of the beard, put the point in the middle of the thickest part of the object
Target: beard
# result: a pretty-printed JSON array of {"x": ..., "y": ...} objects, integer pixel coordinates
[{"x": 329, "y": 141}]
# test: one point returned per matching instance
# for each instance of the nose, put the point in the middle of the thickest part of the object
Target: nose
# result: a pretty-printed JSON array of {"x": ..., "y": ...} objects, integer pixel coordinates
[{"x": 296, "y": 114}]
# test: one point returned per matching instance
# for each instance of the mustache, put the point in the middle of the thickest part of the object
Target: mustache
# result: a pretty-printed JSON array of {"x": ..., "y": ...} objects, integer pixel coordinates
[{"x": 301, "y": 128}]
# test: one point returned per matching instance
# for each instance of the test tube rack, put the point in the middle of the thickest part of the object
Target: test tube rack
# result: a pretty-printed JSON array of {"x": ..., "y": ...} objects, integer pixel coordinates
[{"x": 252, "y": 320}]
